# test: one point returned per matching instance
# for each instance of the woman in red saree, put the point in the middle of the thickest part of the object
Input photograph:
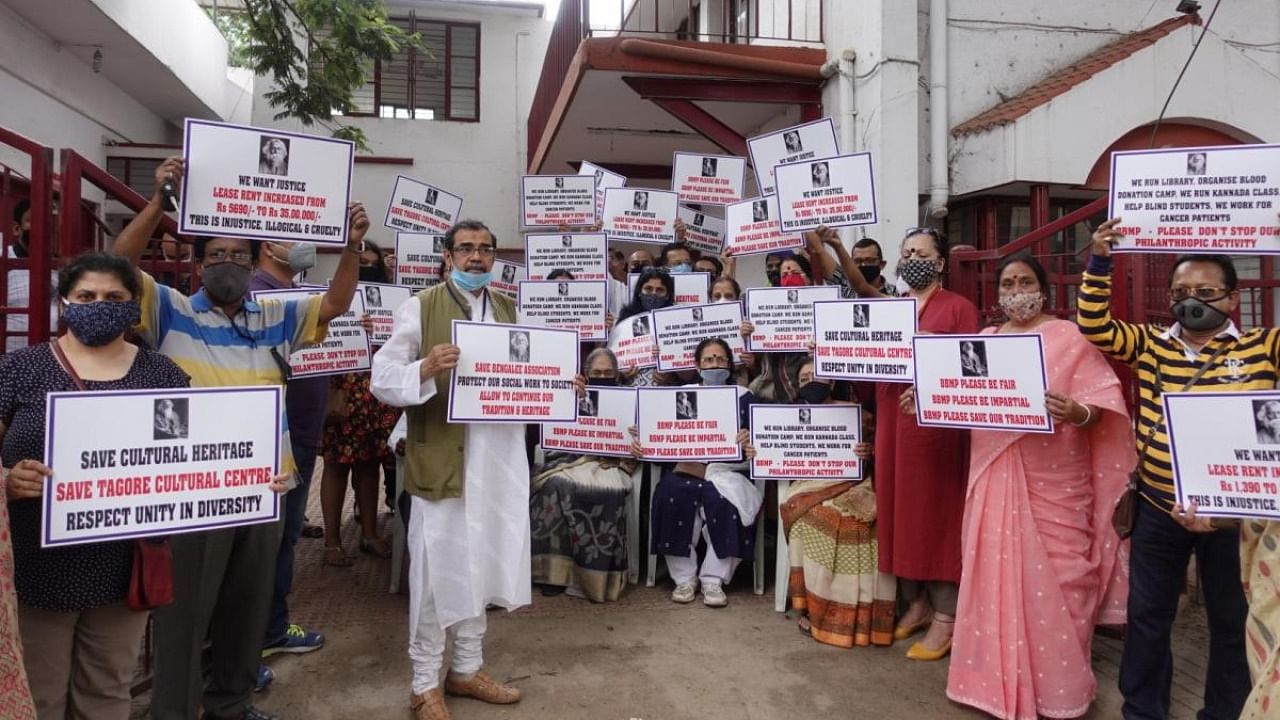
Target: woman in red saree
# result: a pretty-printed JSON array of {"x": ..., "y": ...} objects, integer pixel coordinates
[{"x": 1042, "y": 564}]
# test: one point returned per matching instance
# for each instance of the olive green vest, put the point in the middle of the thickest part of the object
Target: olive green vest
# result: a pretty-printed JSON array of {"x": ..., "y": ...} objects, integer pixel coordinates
[{"x": 433, "y": 448}]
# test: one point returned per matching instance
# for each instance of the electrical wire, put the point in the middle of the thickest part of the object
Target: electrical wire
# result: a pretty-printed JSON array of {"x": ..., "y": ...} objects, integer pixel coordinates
[{"x": 1156, "y": 127}]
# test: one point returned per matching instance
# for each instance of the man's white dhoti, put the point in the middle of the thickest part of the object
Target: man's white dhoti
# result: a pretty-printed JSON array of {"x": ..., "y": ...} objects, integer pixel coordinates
[{"x": 465, "y": 553}]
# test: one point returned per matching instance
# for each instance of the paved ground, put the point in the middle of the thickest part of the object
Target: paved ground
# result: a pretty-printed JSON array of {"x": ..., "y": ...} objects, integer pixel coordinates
[{"x": 641, "y": 658}]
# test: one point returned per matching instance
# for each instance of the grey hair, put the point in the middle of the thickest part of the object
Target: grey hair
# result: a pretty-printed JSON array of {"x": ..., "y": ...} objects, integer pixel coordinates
[{"x": 602, "y": 351}]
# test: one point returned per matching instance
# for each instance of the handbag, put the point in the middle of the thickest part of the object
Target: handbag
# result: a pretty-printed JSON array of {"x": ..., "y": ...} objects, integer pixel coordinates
[
  {"x": 1126, "y": 512},
  {"x": 151, "y": 577}
]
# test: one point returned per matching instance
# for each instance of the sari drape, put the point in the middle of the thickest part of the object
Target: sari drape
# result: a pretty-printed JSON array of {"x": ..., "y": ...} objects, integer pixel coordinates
[{"x": 1260, "y": 566}]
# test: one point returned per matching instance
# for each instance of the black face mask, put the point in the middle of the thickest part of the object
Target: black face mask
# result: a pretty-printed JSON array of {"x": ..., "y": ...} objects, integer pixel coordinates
[
  {"x": 22, "y": 246},
  {"x": 1197, "y": 315},
  {"x": 870, "y": 273},
  {"x": 813, "y": 393},
  {"x": 603, "y": 382},
  {"x": 373, "y": 274}
]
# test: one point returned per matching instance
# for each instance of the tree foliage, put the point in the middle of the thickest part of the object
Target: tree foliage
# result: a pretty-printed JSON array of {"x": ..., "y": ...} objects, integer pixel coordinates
[{"x": 319, "y": 53}]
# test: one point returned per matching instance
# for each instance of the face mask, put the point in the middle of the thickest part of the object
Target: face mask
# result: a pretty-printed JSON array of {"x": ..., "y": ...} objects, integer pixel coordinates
[
  {"x": 373, "y": 274},
  {"x": 918, "y": 273},
  {"x": 773, "y": 277},
  {"x": 97, "y": 323},
  {"x": 1021, "y": 307},
  {"x": 24, "y": 242},
  {"x": 302, "y": 257},
  {"x": 723, "y": 299},
  {"x": 1198, "y": 315},
  {"x": 869, "y": 272},
  {"x": 226, "y": 282},
  {"x": 603, "y": 382},
  {"x": 468, "y": 281},
  {"x": 652, "y": 302},
  {"x": 681, "y": 268},
  {"x": 793, "y": 280},
  {"x": 714, "y": 376},
  {"x": 814, "y": 393}
]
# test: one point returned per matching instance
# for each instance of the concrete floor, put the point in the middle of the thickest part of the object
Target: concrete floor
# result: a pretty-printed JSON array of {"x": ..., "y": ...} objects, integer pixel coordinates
[{"x": 642, "y": 658}]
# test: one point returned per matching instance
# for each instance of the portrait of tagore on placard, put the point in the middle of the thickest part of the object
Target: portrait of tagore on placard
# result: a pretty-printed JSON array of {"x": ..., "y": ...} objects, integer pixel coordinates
[
  {"x": 273, "y": 155},
  {"x": 171, "y": 419},
  {"x": 518, "y": 342}
]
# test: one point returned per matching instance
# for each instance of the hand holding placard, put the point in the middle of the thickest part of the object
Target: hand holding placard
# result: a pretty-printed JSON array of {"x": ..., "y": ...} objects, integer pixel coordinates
[
  {"x": 26, "y": 479},
  {"x": 1105, "y": 237},
  {"x": 442, "y": 357}
]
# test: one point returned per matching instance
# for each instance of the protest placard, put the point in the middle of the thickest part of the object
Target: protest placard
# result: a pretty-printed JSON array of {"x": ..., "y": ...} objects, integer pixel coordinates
[
  {"x": 513, "y": 373},
  {"x": 1226, "y": 452},
  {"x": 632, "y": 342},
  {"x": 868, "y": 339},
  {"x": 556, "y": 200},
  {"x": 345, "y": 347},
  {"x": 708, "y": 179},
  {"x": 995, "y": 382},
  {"x": 419, "y": 257},
  {"x": 1201, "y": 199},
  {"x": 783, "y": 317},
  {"x": 691, "y": 287},
  {"x": 752, "y": 228},
  {"x": 692, "y": 423},
  {"x": 380, "y": 303},
  {"x": 605, "y": 179},
  {"x": 264, "y": 184},
  {"x": 640, "y": 215},
  {"x": 605, "y": 416},
  {"x": 703, "y": 232},
  {"x": 169, "y": 461},
  {"x": 582, "y": 254},
  {"x": 835, "y": 192},
  {"x": 805, "y": 442},
  {"x": 567, "y": 304},
  {"x": 810, "y": 141},
  {"x": 507, "y": 277},
  {"x": 417, "y": 207},
  {"x": 678, "y": 330}
]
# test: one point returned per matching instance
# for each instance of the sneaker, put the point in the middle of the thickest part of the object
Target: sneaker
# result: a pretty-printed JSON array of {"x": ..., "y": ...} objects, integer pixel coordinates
[
  {"x": 685, "y": 592},
  {"x": 296, "y": 641},
  {"x": 265, "y": 677},
  {"x": 713, "y": 595}
]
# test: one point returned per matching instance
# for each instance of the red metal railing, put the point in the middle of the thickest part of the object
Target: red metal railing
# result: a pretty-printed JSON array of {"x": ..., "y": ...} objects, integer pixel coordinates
[
  {"x": 39, "y": 261},
  {"x": 736, "y": 21}
]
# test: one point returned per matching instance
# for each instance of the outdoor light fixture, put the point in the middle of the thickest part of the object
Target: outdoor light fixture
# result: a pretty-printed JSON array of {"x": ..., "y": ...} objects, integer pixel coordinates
[
  {"x": 97, "y": 60},
  {"x": 1188, "y": 7}
]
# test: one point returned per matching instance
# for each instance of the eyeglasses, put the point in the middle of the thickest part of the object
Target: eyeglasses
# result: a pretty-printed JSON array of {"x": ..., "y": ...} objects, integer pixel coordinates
[
  {"x": 239, "y": 257},
  {"x": 469, "y": 250},
  {"x": 1207, "y": 294}
]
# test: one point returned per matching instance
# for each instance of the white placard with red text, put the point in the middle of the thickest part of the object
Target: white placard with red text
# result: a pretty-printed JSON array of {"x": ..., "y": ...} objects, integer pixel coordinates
[
  {"x": 417, "y": 207},
  {"x": 632, "y": 342},
  {"x": 419, "y": 257},
  {"x": 605, "y": 415},
  {"x": 993, "y": 382},
  {"x": 835, "y": 192},
  {"x": 703, "y": 232},
  {"x": 679, "y": 329},
  {"x": 809, "y": 141},
  {"x": 582, "y": 254},
  {"x": 868, "y": 339},
  {"x": 507, "y": 277},
  {"x": 691, "y": 423},
  {"x": 380, "y": 303},
  {"x": 708, "y": 179},
  {"x": 640, "y": 215},
  {"x": 558, "y": 200},
  {"x": 691, "y": 287},
  {"x": 166, "y": 462},
  {"x": 1226, "y": 452},
  {"x": 751, "y": 228},
  {"x": 1197, "y": 200},
  {"x": 605, "y": 179},
  {"x": 783, "y": 317},
  {"x": 805, "y": 442},
  {"x": 567, "y": 304},
  {"x": 346, "y": 346},
  {"x": 513, "y": 373},
  {"x": 264, "y": 184}
]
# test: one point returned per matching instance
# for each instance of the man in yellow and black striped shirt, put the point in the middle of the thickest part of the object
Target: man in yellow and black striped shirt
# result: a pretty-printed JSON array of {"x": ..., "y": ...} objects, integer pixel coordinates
[{"x": 1203, "y": 293}]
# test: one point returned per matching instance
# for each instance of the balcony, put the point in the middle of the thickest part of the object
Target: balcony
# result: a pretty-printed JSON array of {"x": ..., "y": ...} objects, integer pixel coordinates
[{"x": 627, "y": 82}]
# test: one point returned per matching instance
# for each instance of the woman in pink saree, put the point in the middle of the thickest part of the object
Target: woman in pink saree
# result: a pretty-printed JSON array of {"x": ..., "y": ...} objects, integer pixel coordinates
[{"x": 1042, "y": 565}]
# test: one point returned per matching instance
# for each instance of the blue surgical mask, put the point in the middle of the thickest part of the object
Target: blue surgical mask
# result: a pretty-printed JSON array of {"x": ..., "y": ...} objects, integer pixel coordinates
[
  {"x": 470, "y": 281},
  {"x": 681, "y": 268},
  {"x": 714, "y": 376}
]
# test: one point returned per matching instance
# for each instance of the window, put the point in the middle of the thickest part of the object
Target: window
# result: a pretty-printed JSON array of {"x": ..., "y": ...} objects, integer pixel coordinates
[
  {"x": 440, "y": 81},
  {"x": 137, "y": 172}
]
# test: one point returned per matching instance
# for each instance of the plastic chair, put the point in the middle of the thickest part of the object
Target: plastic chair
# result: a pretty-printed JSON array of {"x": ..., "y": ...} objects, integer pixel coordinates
[
  {"x": 633, "y": 524},
  {"x": 782, "y": 567},
  {"x": 757, "y": 564}
]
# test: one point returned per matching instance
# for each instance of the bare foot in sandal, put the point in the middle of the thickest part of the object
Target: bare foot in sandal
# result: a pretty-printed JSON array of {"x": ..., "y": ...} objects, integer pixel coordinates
[{"x": 335, "y": 557}]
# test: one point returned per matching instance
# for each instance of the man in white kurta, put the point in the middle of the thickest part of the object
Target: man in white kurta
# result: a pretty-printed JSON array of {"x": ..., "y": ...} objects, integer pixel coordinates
[{"x": 465, "y": 552}]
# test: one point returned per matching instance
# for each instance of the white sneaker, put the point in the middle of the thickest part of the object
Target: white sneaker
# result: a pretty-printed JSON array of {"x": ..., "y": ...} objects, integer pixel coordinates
[
  {"x": 685, "y": 592},
  {"x": 713, "y": 595}
]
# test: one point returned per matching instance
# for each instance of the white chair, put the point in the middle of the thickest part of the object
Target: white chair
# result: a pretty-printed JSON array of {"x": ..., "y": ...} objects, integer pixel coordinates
[
  {"x": 399, "y": 543},
  {"x": 757, "y": 564},
  {"x": 782, "y": 568},
  {"x": 655, "y": 473},
  {"x": 633, "y": 524}
]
